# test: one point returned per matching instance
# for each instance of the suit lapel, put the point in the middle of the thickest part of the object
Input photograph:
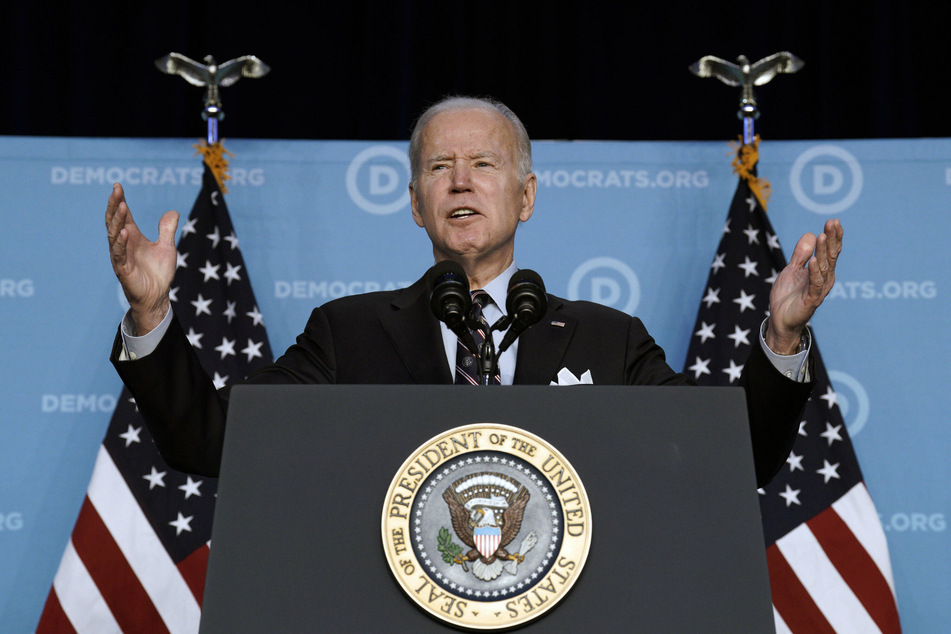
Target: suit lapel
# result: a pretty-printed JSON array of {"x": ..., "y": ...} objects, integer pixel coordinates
[
  {"x": 541, "y": 348},
  {"x": 414, "y": 332}
]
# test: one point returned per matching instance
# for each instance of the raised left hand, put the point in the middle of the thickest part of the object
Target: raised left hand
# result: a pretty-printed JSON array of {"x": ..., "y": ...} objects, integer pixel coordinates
[{"x": 802, "y": 286}]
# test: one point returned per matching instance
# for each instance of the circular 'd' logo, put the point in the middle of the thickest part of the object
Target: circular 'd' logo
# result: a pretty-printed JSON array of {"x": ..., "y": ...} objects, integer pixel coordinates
[
  {"x": 852, "y": 399},
  {"x": 611, "y": 281},
  {"x": 378, "y": 180},
  {"x": 827, "y": 181},
  {"x": 486, "y": 526}
]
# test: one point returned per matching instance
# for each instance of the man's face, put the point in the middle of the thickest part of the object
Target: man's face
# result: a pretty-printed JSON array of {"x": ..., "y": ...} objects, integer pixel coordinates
[{"x": 468, "y": 195}]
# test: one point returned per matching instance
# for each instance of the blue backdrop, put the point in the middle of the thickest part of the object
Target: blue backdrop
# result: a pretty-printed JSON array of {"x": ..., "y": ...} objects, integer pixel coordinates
[{"x": 633, "y": 225}]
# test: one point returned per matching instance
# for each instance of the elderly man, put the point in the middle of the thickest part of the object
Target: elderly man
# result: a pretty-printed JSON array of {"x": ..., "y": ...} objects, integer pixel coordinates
[{"x": 471, "y": 187}]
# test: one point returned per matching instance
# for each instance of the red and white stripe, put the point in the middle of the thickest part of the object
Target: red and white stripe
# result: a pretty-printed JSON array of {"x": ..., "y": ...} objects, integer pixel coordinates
[
  {"x": 115, "y": 574},
  {"x": 833, "y": 573}
]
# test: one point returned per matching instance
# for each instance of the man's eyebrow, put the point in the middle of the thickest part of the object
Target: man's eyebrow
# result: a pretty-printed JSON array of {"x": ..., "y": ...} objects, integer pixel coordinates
[{"x": 448, "y": 157}]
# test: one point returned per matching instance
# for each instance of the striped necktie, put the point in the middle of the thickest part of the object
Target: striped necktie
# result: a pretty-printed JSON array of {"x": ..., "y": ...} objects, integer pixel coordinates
[{"x": 467, "y": 364}]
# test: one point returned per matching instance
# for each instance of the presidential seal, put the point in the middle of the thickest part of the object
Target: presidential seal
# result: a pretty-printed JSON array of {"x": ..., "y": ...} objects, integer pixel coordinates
[{"x": 486, "y": 526}]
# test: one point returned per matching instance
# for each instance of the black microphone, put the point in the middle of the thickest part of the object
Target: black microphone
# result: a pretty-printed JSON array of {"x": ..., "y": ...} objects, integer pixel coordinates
[
  {"x": 450, "y": 299},
  {"x": 526, "y": 303}
]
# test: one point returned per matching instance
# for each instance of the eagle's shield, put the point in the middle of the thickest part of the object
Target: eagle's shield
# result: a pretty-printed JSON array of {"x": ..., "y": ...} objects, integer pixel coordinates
[{"x": 487, "y": 539}]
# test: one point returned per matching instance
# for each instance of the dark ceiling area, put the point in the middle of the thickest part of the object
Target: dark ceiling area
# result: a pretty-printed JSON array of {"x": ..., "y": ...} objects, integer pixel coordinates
[{"x": 587, "y": 70}]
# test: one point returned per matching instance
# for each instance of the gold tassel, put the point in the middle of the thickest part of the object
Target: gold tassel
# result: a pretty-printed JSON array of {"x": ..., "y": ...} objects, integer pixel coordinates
[
  {"x": 745, "y": 159},
  {"x": 214, "y": 156}
]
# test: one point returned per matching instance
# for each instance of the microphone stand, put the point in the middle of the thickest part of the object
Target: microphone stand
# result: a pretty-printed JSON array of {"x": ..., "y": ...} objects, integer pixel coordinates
[{"x": 488, "y": 359}]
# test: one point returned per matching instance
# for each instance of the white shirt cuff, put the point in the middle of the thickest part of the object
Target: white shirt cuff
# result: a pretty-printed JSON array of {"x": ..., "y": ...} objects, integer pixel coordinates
[
  {"x": 137, "y": 347},
  {"x": 792, "y": 366}
]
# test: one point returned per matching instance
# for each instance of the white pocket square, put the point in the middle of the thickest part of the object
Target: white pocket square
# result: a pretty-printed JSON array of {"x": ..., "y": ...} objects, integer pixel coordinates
[{"x": 565, "y": 377}]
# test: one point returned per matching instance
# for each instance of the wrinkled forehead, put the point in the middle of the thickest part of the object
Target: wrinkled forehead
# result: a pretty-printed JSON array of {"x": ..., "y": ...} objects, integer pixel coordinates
[{"x": 471, "y": 131}]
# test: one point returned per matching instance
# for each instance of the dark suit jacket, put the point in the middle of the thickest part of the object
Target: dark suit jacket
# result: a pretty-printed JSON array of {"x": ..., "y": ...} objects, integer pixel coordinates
[{"x": 392, "y": 337}]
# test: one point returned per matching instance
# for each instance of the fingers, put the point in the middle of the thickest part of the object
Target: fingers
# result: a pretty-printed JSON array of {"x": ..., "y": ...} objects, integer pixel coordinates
[
  {"x": 833, "y": 233},
  {"x": 828, "y": 247},
  {"x": 117, "y": 196},
  {"x": 817, "y": 282},
  {"x": 118, "y": 215},
  {"x": 803, "y": 251},
  {"x": 118, "y": 249},
  {"x": 822, "y": 264}
]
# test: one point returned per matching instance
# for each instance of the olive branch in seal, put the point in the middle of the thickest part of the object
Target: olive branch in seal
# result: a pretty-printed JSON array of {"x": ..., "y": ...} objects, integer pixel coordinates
[{"x": 450, "y": 551}]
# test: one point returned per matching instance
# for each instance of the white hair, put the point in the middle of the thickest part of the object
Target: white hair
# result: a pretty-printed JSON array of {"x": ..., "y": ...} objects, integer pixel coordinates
[{"x": 523, "y": 145}]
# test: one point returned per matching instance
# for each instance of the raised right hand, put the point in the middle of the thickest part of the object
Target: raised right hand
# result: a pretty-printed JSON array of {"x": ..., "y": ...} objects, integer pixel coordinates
[{"x": 145, "y": 269}]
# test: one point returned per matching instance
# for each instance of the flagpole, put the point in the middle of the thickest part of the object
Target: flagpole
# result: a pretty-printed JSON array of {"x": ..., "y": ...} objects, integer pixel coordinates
[
  {"x": 211, "y": 114},
  {"x": 748, "y": 112}
]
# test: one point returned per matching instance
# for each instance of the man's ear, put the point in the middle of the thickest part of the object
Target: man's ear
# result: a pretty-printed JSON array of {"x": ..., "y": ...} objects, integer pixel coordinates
[
  {"x": 414, "y": 206},
  {"x": 530, "y": 188}
]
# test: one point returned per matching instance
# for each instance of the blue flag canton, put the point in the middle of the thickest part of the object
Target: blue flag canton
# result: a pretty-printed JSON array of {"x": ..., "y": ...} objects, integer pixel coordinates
[{"x": 212, "y": 294}]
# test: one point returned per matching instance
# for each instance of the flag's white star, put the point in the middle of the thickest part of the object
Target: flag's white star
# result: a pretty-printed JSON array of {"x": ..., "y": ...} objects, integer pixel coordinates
[
  {"x": 771, "y": 278},
  {"x": 230, "y": 312},
  {"x": 233, "y": 240},
  {"x": 706, "y": 331},
  {"x": 794, "y": 461},
  {"x": 751, "y": 201},
  {"x": 749, "y": 268},
  {"x": 173, "y": 294},
  {"x": 134, "y": 404},
  {"x": 201, "y": 305},
  {"x": 829, "y": 397},
  {"x": 829, "y": 471},
  {"x": 712, "y": 297},
  {"x": 734, "y": 371},
  {"x": 220, "y": 381},
  {"x": 802, "y": 428},
  {"x": 209, "y": 271},
  {"x": 773, "y": 241},
  {"x": 745, "y": 301},
  {"x": 253, "y": 350},
  {"x": 231, "y": 273},
  {"x": 739, "y": 336},
  {"x": 752, "y": 234},
  {"x": 131, "y": 435},
  {"x": 191, "y": 488},
  {"x": 791, "y": 496},
  {"x": 189, "y": 227},
  {"x": 718, "y": 262},
  {"x": 156, "y": 478},
  {"x": 256, "y": 317},
  {"x": 226, "y": 347},
  {"x": 180, "y": 261},
  {"x": 699, "y": 367},
  {"x": 182, "y": 524},
  {"x": 194, "y": 338},
  {"x": 726, "y": 227},
  {"x": 832, "y": 433},
  {"x": 215, "y": 238}
]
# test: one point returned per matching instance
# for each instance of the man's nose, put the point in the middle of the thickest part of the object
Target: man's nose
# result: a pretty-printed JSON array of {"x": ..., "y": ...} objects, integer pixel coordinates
[{"x": 461, "y": 177}]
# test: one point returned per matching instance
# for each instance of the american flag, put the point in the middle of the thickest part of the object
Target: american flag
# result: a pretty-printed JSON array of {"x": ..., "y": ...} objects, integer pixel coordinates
[
  {"x": 137, "y": 556},
  {"x": 828, "y": 560}
]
